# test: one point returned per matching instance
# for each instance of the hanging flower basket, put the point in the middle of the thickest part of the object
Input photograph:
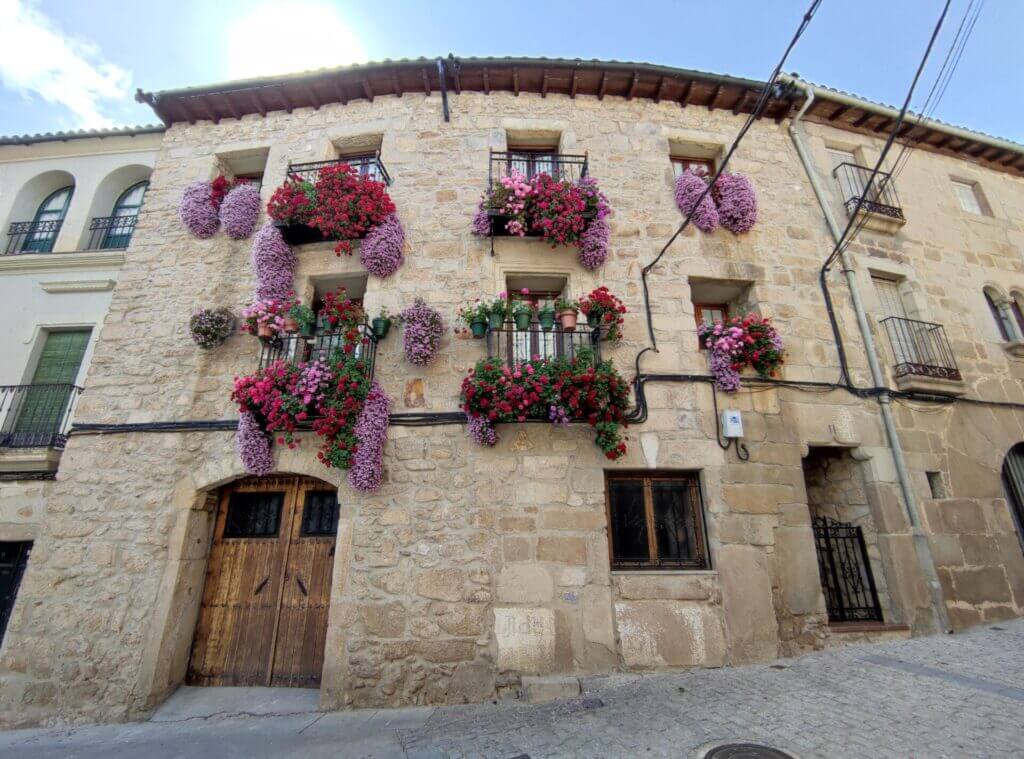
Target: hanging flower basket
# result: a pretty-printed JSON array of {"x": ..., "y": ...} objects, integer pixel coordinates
[{"x": 750, "y": 341}]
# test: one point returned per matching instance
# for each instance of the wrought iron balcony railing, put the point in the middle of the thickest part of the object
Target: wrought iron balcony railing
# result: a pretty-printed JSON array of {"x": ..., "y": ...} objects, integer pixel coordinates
[
  {"x": 528, "y": 163},
  {"x": 111, "y": 232},
  {"x": 32, "y": 237},
  {"x": 516, "y": 346},
  {"x": 880, "y": 199},
  {"x": 36, "y": 416},
  {"x": 321, "y": 346},
  {"x": 920, "y": 349},
  {"x": 368, "y": 165}
]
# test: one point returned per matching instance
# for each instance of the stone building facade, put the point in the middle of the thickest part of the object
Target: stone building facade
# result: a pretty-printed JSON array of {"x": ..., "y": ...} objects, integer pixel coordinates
[{"x": 475, "y": 572}]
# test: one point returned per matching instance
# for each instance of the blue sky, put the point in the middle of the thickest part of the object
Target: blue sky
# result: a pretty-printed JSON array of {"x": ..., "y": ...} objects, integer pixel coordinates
[{"x": 66, "y": 64}]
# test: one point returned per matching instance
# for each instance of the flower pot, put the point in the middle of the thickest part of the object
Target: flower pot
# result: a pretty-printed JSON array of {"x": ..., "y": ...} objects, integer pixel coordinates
[
  {"x": 523, "y": 321},
  {"x": 264, "y": 331},
  {"x": 380, "y": 327},
  {"x": 546, "y": 319},
  {"x": 479, "y": 329},
  {"x": 568, "y": 319},
  {"x": 306, "y": 329},
  {"x": 291, "y": 325},
  {"x": 494, "y": 321},
  {"x": 593, "y": 319}
]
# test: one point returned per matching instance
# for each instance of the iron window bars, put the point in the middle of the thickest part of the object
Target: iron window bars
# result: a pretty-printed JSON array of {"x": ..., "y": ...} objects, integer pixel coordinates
[
  {"x": 846, "y": 578},
  {"x": 920, "y": 348},
  {"x": 111, "y": 232},
  {"x": 36, "y": 416},
  {"x": 318, "y": 347},
  {"x": 517, "y": 346},
  {"x": 32, "y": 236},
  {"x": 882, "y": 198},
  {"x": 367, "y": 165}
]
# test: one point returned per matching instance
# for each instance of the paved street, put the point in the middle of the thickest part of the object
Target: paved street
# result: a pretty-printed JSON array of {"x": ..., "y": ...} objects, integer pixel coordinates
[{"x": 931, "y": 697}]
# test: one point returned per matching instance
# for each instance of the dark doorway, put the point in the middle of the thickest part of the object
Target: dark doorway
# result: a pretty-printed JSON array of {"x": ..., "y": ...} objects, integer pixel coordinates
[{"x": 13, "y": 560}]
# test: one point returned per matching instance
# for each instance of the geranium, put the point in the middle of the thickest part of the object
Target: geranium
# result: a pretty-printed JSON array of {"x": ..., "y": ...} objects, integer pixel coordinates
[
  {"x": 382, "y": 252},
  {"x": 557, "y": 389},
  {"x": 422, "y": 332},
  {"x": 211, "y": 327},
  {"x": 342, "y": 313},
  {"x": 371, "y": 431},
  {"x": 198, "y": 212},
  {"x": 737, "y": 203},
  {"x": 265, "y": 313},
  {"x": 348, "y": 205},
  {"x": 689, "y": 186},
  {"x": 609, "y": 310},
  {"x": 748, "y": 341},
  {"x": 253, "y": 446},
  {"x": 240, "y": 210},
  {"x": 293, "y": 202},
  {"x": 219, "y": 188},
  {"x": 273, "y": 263}
]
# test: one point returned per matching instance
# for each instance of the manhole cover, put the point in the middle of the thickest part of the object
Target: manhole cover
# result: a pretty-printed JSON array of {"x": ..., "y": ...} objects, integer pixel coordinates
[{"x": 745, "y": 751}]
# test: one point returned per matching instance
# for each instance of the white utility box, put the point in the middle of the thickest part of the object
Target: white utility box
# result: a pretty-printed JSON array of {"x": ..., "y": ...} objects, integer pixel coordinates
[{"x": 732, "y": 424}]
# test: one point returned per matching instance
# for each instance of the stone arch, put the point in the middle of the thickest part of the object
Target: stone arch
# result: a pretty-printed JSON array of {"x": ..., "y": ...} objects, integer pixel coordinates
[
  {"x": 109, "y": 190},
  {"x": 35, "y": 190}
]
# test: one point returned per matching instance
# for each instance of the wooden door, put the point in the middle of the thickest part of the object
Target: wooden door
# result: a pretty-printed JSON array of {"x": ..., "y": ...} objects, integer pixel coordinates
[{"x": 263, "y": 618}]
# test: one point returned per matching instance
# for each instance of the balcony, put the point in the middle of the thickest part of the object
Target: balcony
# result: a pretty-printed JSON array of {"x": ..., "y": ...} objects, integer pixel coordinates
[
  {"x": 32, "y": 237},
  {"x": 923, "y": 359},
  {"x": 111, "y": 232},
  {"x": 34, "y": 423},
  {"x": 881, "y": 208},
  {"x": 515, "y": 346},
  {"x": 368, "y": 165},
  {"x": 319, "y": 347},
  {"x": 560, "y": 166}
]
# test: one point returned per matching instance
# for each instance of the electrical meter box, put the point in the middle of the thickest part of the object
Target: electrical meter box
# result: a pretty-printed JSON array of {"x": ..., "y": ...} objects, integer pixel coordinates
[{"x": 732, "y": 424}]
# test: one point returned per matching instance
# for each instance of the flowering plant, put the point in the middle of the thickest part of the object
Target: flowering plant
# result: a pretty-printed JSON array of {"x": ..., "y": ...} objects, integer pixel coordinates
[
  {"x": 748, "y": 341},
  {"x": 342, "y": 204},
  {"x": 253, "y": 446},
  {"x": 737, "y": 203},
  {"x": 383, "y": 250},
  {"x": 500, "y": 306},
  {"x": 371, "y": 430},
  {"x": 559, "y": 210},
  {"x": 609, "y": 310},
  {"x": 240, "y": 210},
  {"x": 302, "y": 314},
  {"x": 339, "y": 312},
  {"x": 557, "y": 389},
  {"x": 211, "y": 327},
  {"x": 476, "y": 312},
  {"x": 566, "y": 304},
  {"x": 523, "y": 308},
  {"x": 690, "y": 185},
  {"x": 265, "y": 313},
  {"x": 422, "y": 332},
  {"x": 273, "y": 263},
  {"x": 197, "y": 211}
]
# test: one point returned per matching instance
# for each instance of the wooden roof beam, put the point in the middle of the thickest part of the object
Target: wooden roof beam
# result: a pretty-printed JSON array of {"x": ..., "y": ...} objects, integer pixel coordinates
[
  {"x": 394, "y": 83},
  {"x": 340, "y": 92},
  {"x": 881, "y": 125},
  {"x": 455, "y": 77},
  {"x": 515, "y": 80},
  {"x": 313, "y": 98},
  {"x": 226, "y": 99},
  {"x": 740, "y": 102},
  {"x": 487, "y": 81},
  {"x": 288, "y": 105},
  {"x": 714, "y": 96},
  {"x": 604, "y": 86},
  {"x": 838, "y": 112},
  {"x": 862, "y": 119},
  {"x": 684, "y": 98},
  {"x": 426, "y": 82},
  {"x": 661, "y": 88},
  {"x": 367, "y": 88},
  {"x": 574, "y": 85},
  {"x": 187, "y": 109},
  {"x": 633, "y": 85},
  {"x": 943, "y": 142},
  {"x": 905, "y": 130},
  {"x": 1012, "y": 159},
  {"x": 259, "y": 103},
  {"x": 544, "y": 84}
]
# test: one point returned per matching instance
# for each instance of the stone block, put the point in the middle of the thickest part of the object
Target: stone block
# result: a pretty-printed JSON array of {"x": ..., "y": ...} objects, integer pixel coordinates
[
  {"x": 461, "y": 619},
  {"x": 962, "y": 516},
  {"x": 446, "y": 651},
  {"x": 525, "y": 639},
  {"x": 564, "y": 550},
  {"x": 656, "y": 634},
  {"x": 384, "y": 620},
  {"x": 978, "y": 586},
  {"x": 525, "y": 584},
  {"x": 572, "y": 519},
  {"x": 596, "y": 612},
  {"x": 537, "y": 492},
  {"x": 517, "y": 524},
  {"x": 749, "y": 615},
  {"x": 545, "y": 467},
  {"x": 441, "y": 584},
  {"x": 799, "y": 578},
  {"x": 539, "y": 690},
  {"x": 946, "y": 551},
  {"x": 979, "y": 550},
  {"x": 756, "y": 499},
  {"x": 516, "y": 549},
  {"x": 675, "y": 587},
  {"x": 471, "y": 682}
]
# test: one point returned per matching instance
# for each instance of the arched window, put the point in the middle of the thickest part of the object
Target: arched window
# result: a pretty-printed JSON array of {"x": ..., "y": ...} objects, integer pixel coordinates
[
  {"x": 1013, "y": 484},
  {"x": 47, "y": 221},
  {"x": 1002, "y": 318},
  {"x": 123, "y": 217},
  {"x": 1015, "y": 309}
]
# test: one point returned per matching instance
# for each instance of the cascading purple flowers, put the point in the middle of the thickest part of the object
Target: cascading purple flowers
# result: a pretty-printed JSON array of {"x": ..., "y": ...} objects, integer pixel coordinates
[
  {"x": 197, "y": 211},
  {"x": 371, "y": 431},
  {"x": 481, "y": 430},
  {"x": 273, "y": 263},
  {"x": 593, "y": 249},
  {"x": 253, "y": 446},
  {"x": 382, "y": 251},
  {"x": 481, "y": 221},
  {"x": 240, "y": 210},
  {"x": 737, "y": 203},
  {"x": 689, "y": 187},
  {"x": 422, "y": 334}
]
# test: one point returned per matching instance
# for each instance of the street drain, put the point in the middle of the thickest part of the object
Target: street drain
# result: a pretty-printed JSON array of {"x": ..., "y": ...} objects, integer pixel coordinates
[{"x": 745, "y": 751}]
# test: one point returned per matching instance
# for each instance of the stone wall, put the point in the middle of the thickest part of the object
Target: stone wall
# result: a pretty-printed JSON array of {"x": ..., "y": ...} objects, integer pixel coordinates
[{"x": 473, "y": 568}]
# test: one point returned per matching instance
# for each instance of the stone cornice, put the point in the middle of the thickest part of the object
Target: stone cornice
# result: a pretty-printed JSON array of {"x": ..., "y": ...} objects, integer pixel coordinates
[
  {"x": 78, "y": 286},
  {"x": 58, "y": 262}
]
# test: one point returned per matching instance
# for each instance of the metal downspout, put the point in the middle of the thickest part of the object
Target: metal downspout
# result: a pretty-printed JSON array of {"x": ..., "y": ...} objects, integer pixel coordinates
[{"x": 921, "y": 547}]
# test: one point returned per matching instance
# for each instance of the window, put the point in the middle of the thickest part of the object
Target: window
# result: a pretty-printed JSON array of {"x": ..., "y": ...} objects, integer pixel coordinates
[
  {"x": 47, "y": 221},
  {"x": 126, "y": 209},
  {"x": 969, "y": 196},
  {"x": 709, "y": 313},
  {"x": 698, "y": 165},
  {"x": 1002, "y": 319},
  {"x": 45, "y": 403},
  {"x": 253, "y": 515},
  {"x": 656, "y": 521},
  {"x": 320, "y": 513},
  {"x": 531, "y": 161},
  {"x": 935, "y": 485},
  {"x": 1018, "y": 314},
  {"x": 846, "y": 176}
]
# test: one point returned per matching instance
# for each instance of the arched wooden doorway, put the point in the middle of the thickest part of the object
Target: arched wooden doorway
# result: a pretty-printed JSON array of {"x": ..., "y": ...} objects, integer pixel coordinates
[{"x": 263, "y": 618}]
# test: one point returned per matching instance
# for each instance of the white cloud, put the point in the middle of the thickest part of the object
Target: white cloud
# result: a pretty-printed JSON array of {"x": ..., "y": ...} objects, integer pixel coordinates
[
  {"x": 37, "y": 58},
  {"x": 285, "y": 37}
]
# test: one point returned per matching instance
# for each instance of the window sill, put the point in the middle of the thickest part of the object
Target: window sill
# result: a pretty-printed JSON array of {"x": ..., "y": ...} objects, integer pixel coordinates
[
  {"x": 936, "y": 385},
  {"x": 880, "y": 222},
  {"x": 688, "y": 572}
]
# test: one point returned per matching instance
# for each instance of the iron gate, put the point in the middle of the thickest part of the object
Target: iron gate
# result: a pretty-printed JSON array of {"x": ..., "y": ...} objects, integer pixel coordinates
[{"x": 846, "y": 578}]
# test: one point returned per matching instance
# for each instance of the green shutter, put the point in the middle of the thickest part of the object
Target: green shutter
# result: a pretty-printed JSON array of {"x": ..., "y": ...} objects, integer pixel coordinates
[{"x": 43, "y": 406}]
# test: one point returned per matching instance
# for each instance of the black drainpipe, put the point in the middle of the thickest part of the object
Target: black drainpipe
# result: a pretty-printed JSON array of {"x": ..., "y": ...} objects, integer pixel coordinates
[{"x": 441, "y": 75}]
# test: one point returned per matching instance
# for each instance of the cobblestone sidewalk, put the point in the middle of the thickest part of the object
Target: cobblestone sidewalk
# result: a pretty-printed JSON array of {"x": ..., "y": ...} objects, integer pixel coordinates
[{"x": 930, "y": 697}]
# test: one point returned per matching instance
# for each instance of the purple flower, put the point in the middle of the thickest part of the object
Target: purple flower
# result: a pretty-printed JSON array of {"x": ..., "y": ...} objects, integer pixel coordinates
[
  {"x": 382, "y": 250},
  {"x": 211, "y": 327},
  {"x": 481, "y": 221},
  {"x": 737, "y": 203},
  {"x": 593, "y": 250},
  {"x": 253, "y": 446},
  {"x": 239, "y": 211},
  {"x": 371, "y": 431},
  {"x": 197, "y": 211},
  {"x": 727, "y": 379},
  {"x": 481, "y": 430},
  {"x": 558, "y": 415},
  {"x": 689, "y": 187},
  {"x": 422, "y": 334},
  {"x": 273, "y": 263}
]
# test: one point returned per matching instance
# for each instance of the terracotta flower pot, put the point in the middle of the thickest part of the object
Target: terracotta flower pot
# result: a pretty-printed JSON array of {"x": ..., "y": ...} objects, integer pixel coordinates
[
  {"x": 568, "y": 319},
  {"x": 291, "y": 325},
  {"x": 264, "y": 330}
]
